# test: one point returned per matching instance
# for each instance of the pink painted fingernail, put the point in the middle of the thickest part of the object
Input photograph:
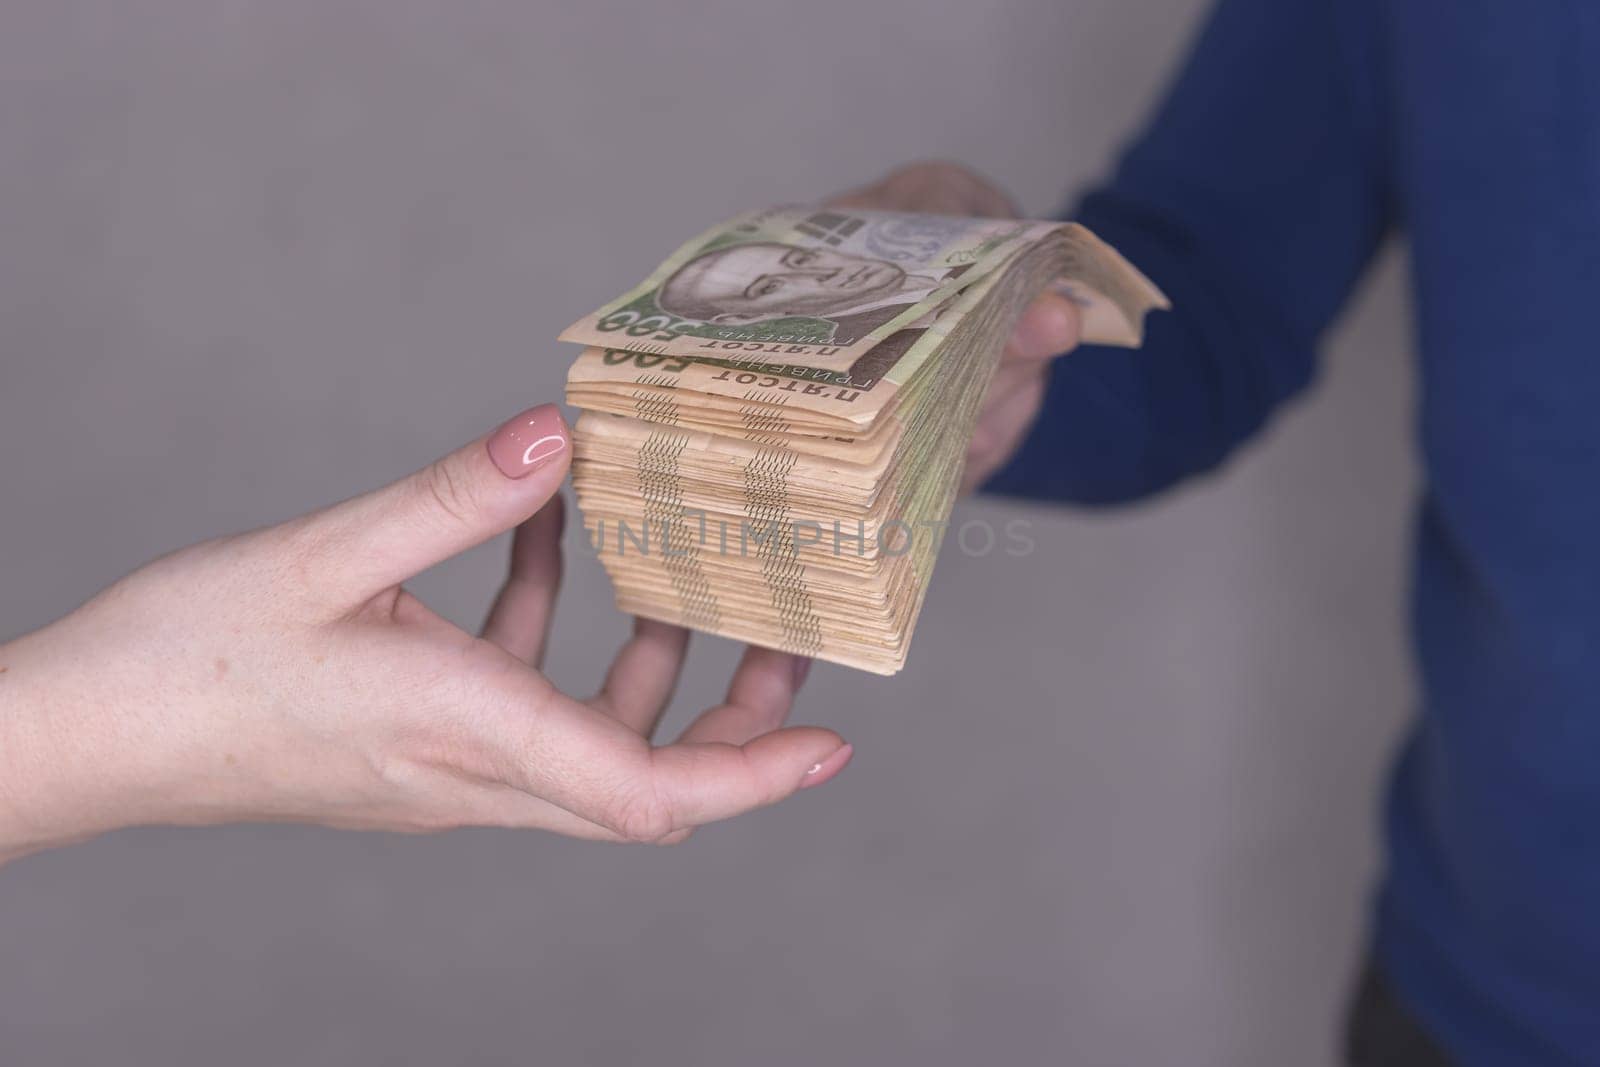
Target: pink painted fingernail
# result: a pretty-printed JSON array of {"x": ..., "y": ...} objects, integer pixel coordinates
[
  {"x": 822, "y": 772},
  {"x": 524, "y": 444},
  {"x": 802, "y": 667}
]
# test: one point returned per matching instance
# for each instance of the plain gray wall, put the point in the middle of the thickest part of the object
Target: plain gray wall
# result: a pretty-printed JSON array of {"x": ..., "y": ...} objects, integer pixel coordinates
[{"x": 256, "y": 256}]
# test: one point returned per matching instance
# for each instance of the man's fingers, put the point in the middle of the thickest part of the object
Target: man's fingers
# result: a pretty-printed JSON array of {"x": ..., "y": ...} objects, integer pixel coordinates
[
  {"x": 1048, "y": 328},
  {"x": 1010, "y": 379},
  {"x": 639, "y": 686},
  {"x": 519, "y": 621},
  {"x": 356, "y": 549},
  {"x": 935, "y": 187},
  {"x": 1001, "y": 426}
]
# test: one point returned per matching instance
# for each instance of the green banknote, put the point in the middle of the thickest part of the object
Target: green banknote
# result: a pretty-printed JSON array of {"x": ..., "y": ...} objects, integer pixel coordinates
[{"x": 814, "y": 286}]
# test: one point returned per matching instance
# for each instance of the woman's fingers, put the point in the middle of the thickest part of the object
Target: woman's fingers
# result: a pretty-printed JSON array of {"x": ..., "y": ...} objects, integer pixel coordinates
[
  {"x": 602, "y": 771},
  {"x": 508, "y": 806},
  {"x": 687, "y": 787},
  {"x": 759, "y": 698},
  {"x": 639, "y": 686},
  {"x": 355, "y": 550},
  {"x": 519, "y": 621},
  {"x": 697, "y": 783},
  {"x": 730, "y": 759}
]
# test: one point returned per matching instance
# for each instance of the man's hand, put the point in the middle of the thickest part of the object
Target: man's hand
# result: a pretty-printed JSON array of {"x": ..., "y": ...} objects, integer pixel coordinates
[{"x": 1047, "y": 329}]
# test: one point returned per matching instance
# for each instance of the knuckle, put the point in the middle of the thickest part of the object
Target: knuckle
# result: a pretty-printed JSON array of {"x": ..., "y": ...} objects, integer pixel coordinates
[
  {"x": 451, "y": 494},
  {"x": 642, "y": 817},
  {"x": 943, "y": 186},
  {"x": 948, "y": 170},
  {"x": 922, "y": 170}
]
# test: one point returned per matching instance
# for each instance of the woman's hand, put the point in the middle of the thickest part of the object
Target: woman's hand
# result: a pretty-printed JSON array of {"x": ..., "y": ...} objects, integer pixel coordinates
[
  {"x": 286, "y": 674},
  {"x": 1047, "y": 329}
]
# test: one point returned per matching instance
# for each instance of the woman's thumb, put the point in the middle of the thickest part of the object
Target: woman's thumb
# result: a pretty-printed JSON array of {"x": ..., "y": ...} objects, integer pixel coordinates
[{"x": 371, "y": 542}]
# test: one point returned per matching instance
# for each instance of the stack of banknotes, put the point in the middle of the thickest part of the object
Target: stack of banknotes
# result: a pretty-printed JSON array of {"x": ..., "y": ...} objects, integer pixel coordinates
[{"x": 774, "y": 422}]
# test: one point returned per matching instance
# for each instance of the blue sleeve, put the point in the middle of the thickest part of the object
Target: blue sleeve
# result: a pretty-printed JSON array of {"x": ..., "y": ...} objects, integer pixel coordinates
[{"x": 1255, "y": 199}]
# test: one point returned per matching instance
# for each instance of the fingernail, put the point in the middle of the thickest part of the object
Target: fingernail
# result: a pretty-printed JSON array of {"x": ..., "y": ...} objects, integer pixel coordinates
[
  {"x": 1068, "y": 291},
  {"x": 821, "y": 772},
  {"x": 524, "y": 444},
  {"x": 802, "y": 667}
]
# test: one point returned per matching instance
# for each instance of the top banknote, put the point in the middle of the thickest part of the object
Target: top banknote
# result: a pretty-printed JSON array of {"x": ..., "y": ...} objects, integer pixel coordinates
[{"x": 817, "y": 288}]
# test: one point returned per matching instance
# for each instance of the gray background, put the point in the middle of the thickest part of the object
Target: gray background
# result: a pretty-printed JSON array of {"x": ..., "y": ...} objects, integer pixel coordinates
[{"x": 258, "y": 256}]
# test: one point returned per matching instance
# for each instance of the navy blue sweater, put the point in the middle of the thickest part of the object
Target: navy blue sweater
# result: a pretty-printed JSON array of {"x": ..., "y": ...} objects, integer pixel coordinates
[{"x": 1299, "y": 135}]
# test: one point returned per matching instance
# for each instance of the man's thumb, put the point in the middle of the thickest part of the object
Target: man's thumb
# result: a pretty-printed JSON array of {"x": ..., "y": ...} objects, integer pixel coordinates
[{"x": 371, "y": 542}]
